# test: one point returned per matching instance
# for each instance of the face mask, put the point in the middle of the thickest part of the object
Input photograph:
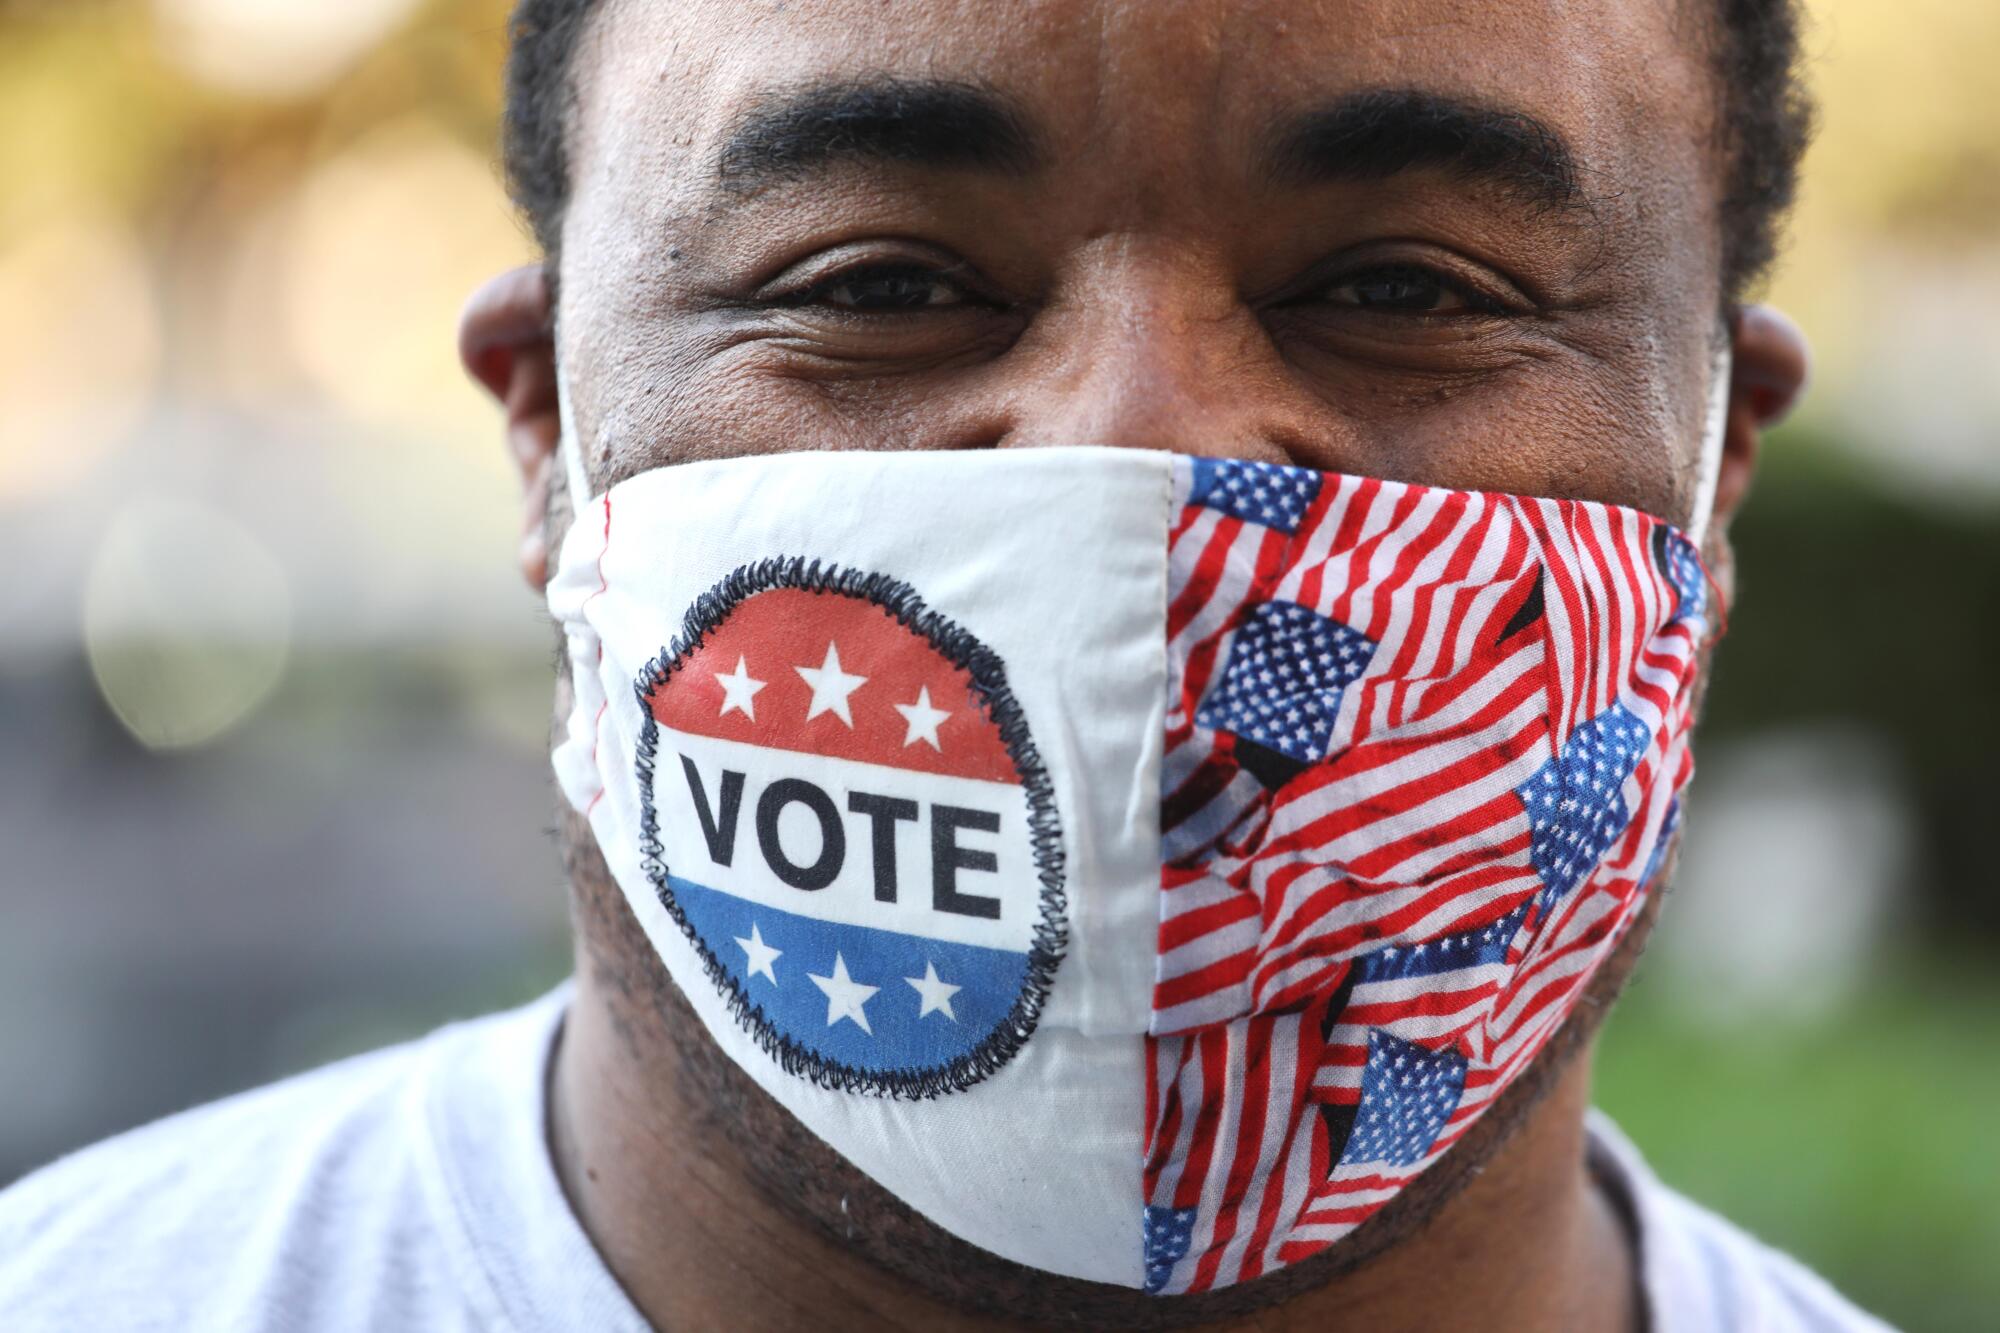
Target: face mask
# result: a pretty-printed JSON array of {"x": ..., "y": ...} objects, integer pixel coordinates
[{"x": 1143, "y": 865}]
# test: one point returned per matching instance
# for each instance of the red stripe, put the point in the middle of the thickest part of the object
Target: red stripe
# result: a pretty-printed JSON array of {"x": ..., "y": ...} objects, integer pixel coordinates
[
  {"x": 1450, "y": 584},
  {"x": 1355, "y": 496},
  {"x": 1425, "y": 1004},
  {"x": 1363, "y": 554},
  {"x": 1254, "y": 1037},
  {"x": 1216, "y": 976},
  {"x": 1312, "y": 974},
  {"x": 1346, "y": 819},
  {"x": 1193, "y": 795},
  {"x": 1168, "y": 1055},
  {"x": 1302, "y": 1120},
  {"x": 1213, "y": 1052},
  {"x": 1571, "y": 630},
  {"x": 1205, "y": 578},
  {"x": 1348, "y": 939},
  {"x": 1189, "y": 926},
  {"x": 1424, "y": 545},
  {"x": 1365, "y": 756},
  {"x": 1152, "y": 1101}
]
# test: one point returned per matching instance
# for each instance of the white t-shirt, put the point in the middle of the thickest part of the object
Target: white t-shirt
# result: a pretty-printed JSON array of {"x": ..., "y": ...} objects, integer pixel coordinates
[{"x": 412, "y": 1189}]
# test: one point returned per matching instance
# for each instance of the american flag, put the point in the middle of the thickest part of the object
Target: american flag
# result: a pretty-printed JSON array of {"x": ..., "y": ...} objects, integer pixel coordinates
[{"x": 1422, "y": 754}]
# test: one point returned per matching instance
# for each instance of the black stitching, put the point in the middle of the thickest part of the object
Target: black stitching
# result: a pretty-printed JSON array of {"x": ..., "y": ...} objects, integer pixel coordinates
[{"x": 989, "y": 679}]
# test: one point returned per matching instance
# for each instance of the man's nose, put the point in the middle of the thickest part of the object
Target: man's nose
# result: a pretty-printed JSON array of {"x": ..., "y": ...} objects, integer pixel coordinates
[{"x": 1153, "y": 358}]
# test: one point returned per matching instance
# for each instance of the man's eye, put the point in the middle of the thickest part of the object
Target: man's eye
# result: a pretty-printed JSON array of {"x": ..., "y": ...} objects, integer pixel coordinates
[
  {"x": 884, "y": 287},
  {"x": 1400, "y": 289}
]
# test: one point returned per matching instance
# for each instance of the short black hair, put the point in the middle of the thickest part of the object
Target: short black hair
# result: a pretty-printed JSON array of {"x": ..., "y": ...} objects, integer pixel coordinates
[{"x": 1765, "y": 121}]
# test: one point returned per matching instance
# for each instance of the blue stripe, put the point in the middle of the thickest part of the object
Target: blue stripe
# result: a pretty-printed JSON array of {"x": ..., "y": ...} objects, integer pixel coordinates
[{"x": 902, "y": 1039}]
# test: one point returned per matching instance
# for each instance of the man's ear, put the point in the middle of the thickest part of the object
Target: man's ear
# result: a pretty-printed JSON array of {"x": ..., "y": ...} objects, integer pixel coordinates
[
  {"x": 505, "y": 341},
  {"x": 1767, "y": 377}
]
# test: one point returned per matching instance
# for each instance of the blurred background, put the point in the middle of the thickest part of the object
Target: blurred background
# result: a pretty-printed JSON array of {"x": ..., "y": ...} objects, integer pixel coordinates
[{"x": 273, "y": 700}]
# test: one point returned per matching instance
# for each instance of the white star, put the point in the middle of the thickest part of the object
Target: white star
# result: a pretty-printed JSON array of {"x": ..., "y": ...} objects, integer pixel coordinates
[
  {"x": 830, "y": 686},
  {"x": 923, "y": 720},
  {"x": 937, "y": 994},
  {"x": 759, "y": 954},
  {"x": 845, "y": 997},
  {"x": 739, "y": 691}
]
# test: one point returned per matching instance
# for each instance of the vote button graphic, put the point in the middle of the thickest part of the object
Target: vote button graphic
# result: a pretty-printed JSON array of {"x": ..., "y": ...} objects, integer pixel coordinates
[{"x": 843, "y": 809}]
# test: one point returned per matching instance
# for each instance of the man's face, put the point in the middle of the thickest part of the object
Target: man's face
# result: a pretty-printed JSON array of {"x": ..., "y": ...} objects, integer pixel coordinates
[
  {"x": 1459, "y": 242},
  {"x": 1469, "y": 244}
]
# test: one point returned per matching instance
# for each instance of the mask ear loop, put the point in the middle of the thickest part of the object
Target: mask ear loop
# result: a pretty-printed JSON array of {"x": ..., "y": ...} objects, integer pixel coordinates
[
  {"x": 571, "y": 444},
  {"x": 1715, "y": 426}
]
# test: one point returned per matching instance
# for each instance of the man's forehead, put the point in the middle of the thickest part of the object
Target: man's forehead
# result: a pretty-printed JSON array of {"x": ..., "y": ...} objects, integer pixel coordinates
[{"x": 1136, "y": 81}]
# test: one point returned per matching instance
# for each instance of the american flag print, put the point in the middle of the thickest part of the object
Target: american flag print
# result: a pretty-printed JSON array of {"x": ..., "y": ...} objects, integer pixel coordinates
[{"x": 1422, "y": 756}]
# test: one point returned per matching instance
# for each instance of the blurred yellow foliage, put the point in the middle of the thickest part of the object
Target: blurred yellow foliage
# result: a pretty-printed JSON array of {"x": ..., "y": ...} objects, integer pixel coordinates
[
  {"x": 310, "y": 191},
  {"x": 1910, "y": 138}
]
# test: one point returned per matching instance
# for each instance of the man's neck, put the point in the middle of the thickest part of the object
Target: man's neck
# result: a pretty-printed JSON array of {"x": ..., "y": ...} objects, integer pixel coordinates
[{"x": 673, "y": 1203}]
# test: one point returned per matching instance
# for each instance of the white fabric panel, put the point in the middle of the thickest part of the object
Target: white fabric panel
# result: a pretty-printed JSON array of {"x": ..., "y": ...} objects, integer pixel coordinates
[{"x": 1056, "y": 560}]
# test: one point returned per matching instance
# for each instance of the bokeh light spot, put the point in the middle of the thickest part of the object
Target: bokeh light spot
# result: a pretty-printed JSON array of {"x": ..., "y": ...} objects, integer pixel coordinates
[
  {"x": 384, "y": 244},
  {"x": 269, "y": 47},
  {"x": 186, "y": 622},
  {"x": 79, "y": 352}
]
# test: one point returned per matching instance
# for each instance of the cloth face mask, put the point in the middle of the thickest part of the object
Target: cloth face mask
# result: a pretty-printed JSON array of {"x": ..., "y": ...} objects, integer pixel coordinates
[{"x": 1143, "y": 865}]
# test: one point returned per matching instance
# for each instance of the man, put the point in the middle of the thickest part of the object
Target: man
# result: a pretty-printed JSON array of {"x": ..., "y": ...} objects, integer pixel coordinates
[{"x": 1488, "y": 247}]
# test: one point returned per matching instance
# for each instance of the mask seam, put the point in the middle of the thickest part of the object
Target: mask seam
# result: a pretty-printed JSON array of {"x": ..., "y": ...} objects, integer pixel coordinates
[{"x": 583, "y": 612}]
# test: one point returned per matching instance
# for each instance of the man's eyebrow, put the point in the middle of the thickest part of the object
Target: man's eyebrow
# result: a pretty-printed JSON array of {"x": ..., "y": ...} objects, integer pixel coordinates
[
  {"x": 927, "y": 123},
  {"x": 1377, "y": 134}
]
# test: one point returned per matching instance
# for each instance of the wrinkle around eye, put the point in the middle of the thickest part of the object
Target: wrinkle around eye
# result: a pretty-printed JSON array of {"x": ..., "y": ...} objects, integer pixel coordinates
[
  {"x": 831, "y": 344},
  {"x": 1394, "y": 353}
]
